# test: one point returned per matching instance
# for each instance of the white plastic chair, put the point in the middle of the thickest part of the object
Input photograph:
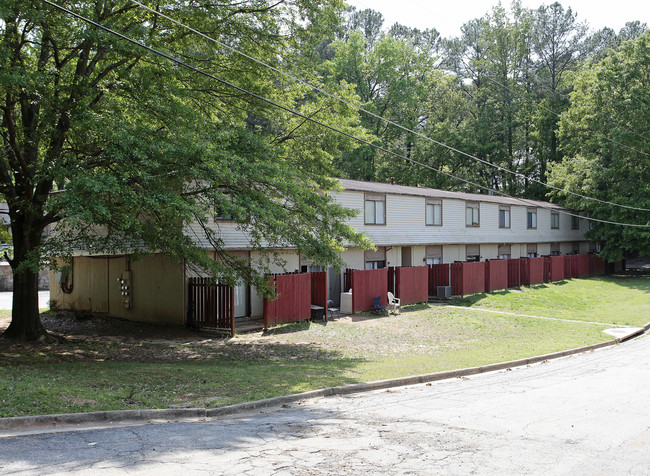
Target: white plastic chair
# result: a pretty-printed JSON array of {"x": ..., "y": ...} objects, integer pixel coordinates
[{"x": 393, "y": 303}]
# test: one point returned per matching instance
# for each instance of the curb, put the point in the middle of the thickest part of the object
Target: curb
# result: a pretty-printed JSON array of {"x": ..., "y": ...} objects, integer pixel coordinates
[{"x": 48, "y": 422}]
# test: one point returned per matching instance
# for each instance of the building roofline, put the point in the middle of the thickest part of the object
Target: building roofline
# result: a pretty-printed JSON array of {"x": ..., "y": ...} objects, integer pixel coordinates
[{"x": 394, "y": 189}]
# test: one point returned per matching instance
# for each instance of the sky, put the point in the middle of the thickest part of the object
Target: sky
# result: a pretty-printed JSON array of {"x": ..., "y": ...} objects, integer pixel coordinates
[{"x": 447, "y": 16}]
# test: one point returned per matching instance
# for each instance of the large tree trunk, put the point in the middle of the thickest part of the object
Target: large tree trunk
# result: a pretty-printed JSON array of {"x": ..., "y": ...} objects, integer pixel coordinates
[{"x": 25, "y": 319}]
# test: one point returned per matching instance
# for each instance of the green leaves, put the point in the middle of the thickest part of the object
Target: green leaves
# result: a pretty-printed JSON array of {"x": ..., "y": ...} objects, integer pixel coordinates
[{"x": 607, "y": 153}]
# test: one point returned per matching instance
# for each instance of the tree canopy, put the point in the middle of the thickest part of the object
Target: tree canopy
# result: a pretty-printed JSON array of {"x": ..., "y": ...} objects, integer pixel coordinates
[
  {"x": 607, "y": 154},
  {"x": 121, "y": 149}
]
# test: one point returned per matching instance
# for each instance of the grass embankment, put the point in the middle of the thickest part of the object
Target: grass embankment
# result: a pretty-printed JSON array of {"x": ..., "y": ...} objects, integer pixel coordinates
[{"x": 89, "y": 374}]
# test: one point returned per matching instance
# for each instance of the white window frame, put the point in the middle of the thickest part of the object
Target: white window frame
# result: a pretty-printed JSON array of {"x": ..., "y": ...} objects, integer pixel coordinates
[
  {"x": 531, "y": 218},
  {"x": 505, "y": 213},
  {"x": 555, "y": 217},
  {"x": 472, "y": 215},
  {"x": 374, "y": 214},
  {"x": 430, "y": 217}
]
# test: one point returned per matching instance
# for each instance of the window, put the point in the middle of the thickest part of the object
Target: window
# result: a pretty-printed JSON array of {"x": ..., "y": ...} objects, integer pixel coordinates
[
  {"x": 375, "y": 209},
  {"x": 555, "y": 249},
  {"x": 504, "y": 217},
  {"x": 531, "y": 251},
  {"x": 473, "y": 252},
  {"x": 575, "y": 247},
  {"x": 504, "y": 251},
  {"x": 434, "y": 254},
  {"x": 433, "y": 212},
  {"x": 575, "y": 222},
  {"x": 375, "y": 264},
  {"x": 532, "y": 218},
  {"x": 375, "y": 259},
  {"x": 555, "y": 220},
  {"x": 472, "y": 217},
  {"x": 308, "y": 266}
]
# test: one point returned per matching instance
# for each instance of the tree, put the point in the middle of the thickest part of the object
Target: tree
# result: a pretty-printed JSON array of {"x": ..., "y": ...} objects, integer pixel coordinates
[
  {"x": 557, "y": 41},
  {"x": 120, "y": 149},
  {"x": 607, "y": 153},
  {"x": 389, "y": 75}
]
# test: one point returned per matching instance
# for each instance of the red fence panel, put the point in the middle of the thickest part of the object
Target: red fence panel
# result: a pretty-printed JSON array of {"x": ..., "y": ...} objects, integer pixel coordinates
[
  {"x": 535, "y": 270},
  {"x": 366, "y": 285},
  {"x": 547, "y": 269},
  {"x": 583, "y": 265},
  {"x": 319, "y": 287},
  {"x": 496, "y": 275},
  {"x": 570, "y": 266},
  {"x": 412, "y": 284},
  {"x": 514, "y": 275},
  {"x": 438, "y": 276},
  {"x": 557, "y": 268},
  {"x": 467, "y": 278},
  {"x": 474, "y": 277},
  {"x": 211, "y": 304},
  {"x": 293, "y": 300},
  {"x": 457, "y": 278}
]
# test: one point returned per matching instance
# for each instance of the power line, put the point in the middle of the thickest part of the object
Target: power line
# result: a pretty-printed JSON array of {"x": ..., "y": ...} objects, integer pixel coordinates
[
  {"x": 315, "y": 121},
  {"x": 387, "y": 121}
]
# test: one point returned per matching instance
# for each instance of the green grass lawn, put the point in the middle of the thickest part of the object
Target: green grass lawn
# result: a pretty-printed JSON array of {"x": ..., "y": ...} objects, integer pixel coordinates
[
  {"x": 622, "y": 300},
  {"x": 74, "y": 375}
]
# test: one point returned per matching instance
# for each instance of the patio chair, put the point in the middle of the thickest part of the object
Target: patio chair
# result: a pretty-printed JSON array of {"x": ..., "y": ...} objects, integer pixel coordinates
[
  {"x": 331, "y": 310},
  {"x": 393, "y": 303},
  {"x": 377, "y": 307}
]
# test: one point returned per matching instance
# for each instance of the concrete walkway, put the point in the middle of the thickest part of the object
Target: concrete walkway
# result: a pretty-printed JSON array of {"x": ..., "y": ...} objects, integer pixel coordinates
[
  {"x": 6, "y": 298},
  {"x": 580, "y": 415}
]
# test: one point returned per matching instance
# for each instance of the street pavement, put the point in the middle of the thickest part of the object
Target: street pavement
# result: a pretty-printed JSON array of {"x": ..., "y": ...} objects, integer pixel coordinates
[
  {"x": 7, "y": 297},
  {"x": 582, "y": 415}
]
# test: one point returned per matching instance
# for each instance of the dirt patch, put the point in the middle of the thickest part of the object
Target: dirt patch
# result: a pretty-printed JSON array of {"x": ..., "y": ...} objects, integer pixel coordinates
[{"x": 83, "y": 337}]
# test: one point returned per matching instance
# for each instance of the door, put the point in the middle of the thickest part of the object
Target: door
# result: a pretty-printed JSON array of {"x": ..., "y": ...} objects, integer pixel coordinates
[
  {"x": 406, "y": 256},
  {"x": 334, "y": 286},
  {"x": 241, "y": 300}
]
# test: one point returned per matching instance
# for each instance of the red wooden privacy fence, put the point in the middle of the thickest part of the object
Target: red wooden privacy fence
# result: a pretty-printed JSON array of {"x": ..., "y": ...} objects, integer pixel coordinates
[
  {"x": 319, "y": 289},
  {"x": 531, "y": 271},
  {"x": 412, "y": 284},
  {"x": 556, "y": 268},
  {"x": 514, "y": 276},
  {"x": 467, "y": 278},
  {"x": 366, "y": 285},
  {"x": 438, "y": 276},
  {"x": 496, "y": 275},
  {"x": 211, "y": 305},
  {"x": 293, "y": 299}
]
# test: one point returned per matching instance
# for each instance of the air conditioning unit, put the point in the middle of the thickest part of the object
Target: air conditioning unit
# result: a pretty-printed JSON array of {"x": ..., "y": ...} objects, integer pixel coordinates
[{"x": 444, "y": 292}]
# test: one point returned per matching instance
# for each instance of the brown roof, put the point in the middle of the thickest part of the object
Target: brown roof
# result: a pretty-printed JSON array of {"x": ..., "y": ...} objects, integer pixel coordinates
[{"x": 387, "y": 188}]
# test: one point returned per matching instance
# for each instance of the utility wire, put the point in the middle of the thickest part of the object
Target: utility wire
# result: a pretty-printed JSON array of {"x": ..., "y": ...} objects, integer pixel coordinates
[
  {"x": 315, "y": 121},
  {"x": 387, "y": 121}
]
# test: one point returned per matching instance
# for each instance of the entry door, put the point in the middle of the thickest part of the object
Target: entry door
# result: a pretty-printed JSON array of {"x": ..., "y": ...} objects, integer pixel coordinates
[
  {"x": 334, "y": 286},
  {"x": 406, "y": 256},
  {"x": 241, "y": 300}
]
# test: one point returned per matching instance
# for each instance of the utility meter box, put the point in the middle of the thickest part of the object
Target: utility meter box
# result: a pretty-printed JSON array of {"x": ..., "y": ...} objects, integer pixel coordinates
[{"x": 126, "y": 289}]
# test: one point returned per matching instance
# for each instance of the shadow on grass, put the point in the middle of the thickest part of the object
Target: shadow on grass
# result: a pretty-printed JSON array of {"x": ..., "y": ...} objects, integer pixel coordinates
[{"x": 289, "y": 328}]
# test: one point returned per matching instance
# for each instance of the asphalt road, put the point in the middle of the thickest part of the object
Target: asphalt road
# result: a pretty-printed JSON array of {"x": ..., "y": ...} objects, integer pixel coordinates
[{"x": 582, "y": 415}]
